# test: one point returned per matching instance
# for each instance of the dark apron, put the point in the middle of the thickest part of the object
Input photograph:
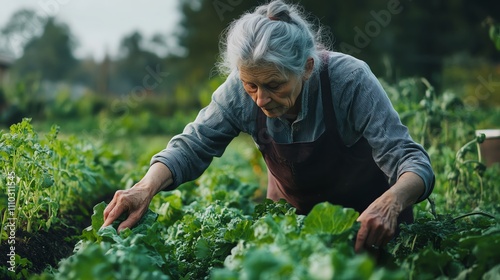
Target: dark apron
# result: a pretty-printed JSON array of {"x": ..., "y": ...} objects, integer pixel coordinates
[{"x": 307, "y": 173}]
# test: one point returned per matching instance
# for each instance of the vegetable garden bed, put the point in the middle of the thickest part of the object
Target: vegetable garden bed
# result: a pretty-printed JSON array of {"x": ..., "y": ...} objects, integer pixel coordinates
[{"x": 218, "y": 227}]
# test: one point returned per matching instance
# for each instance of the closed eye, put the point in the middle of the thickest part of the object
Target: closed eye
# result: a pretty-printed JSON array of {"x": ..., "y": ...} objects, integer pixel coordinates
[
  {"x": 274, "y": 86},
  {"x": 249, "y": 86}
]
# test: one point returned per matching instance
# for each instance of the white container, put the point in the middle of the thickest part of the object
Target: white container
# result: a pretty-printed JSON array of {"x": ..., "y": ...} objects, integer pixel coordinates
[{"x": 490, "y": 148}]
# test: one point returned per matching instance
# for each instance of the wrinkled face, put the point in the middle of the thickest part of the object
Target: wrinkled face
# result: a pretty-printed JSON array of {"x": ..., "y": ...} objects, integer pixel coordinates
[{"x": 275, "y": 93}]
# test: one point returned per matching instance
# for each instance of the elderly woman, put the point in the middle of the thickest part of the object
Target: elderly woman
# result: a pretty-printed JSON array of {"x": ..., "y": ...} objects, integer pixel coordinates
[{"x": 321, "y": 119}]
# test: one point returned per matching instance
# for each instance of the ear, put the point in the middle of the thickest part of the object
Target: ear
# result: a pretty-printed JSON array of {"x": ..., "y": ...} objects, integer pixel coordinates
[{"x": 309, "y": 68}]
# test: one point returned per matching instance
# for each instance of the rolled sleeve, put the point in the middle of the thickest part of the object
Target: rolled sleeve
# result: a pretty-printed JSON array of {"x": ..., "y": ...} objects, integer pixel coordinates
[{"x": 170, "y": 160}]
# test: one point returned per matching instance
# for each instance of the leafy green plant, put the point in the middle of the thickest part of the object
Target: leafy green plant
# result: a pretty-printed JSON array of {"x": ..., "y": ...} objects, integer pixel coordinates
[
  {"x": 213, "y": 228},
  {"x": 439, "y": 119},
  {"x": 102, "y": 253},
  {"x": 494, "y": 32},
  {"x": 448, "y": 246},
  {"x": 51, "y": 176},
  {"x": 466, "y": 167},
  {"x": 213, "y": 237}
]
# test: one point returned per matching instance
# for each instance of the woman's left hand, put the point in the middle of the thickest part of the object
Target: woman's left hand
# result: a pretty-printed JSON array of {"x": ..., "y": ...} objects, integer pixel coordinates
[
  {"x": 379, "y": 220},
  {"x": 378, "y": 223}
]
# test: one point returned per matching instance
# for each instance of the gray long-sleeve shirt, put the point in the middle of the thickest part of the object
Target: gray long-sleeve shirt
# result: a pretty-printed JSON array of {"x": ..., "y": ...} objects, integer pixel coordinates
[{"x": 361, "y": 106}]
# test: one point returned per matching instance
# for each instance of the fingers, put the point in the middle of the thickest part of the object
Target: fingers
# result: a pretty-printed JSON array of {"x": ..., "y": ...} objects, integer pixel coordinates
[
  {"x": 114, "y": 209},
  {"x": 131, "y": 220},
  {"x": 361, "y": 237},
  {"x": 109, "y": 207},
  {"x": 380, "y": 233},
  {"x": 374, "y": 233},
  {"x": 391, "y": 230},
  {"x": 114, "y": 214},
  {"x": 133, "y": 201}
]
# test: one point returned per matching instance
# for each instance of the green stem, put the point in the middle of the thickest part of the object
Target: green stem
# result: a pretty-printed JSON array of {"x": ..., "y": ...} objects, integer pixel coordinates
[
  {"x": 480, "y": 186},
  {"x": 32, "y": 213},
  {"x": 28, "y": 228},
  {"x": 463, "y": 178},
  {"x": 18, "y": 199},
  {"x": 4, "y": 218},
  {"x": 473, "y": 213},
  {"x": 471, "y": 161},
  {"x": 478, "y": 152},
  {"x": 424, "y": 129},
  {"x": 446, "y": 131},
  {"x": 461, "y": 151},
  {"x": 413, "y": 242},
  {"x": 433, "y": 207}
]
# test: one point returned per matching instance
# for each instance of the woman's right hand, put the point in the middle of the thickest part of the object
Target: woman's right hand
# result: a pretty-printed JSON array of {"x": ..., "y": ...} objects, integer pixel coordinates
[{"x": 135, "y": 201}]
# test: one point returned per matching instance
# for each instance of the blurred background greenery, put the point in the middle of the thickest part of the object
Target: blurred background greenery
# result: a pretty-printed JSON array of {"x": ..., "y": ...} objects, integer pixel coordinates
[{"x": 449, "y": 43}]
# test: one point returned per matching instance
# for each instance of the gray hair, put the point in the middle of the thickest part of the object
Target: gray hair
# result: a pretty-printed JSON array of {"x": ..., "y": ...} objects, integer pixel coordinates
[{"x": 274, "y": 34}]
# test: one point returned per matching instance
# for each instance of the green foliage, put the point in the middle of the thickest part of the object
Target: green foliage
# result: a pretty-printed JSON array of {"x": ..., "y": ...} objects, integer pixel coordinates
[
  {"x": 50, "y": 54},
  {"x": 190, "y": 238},
  {"x": 213, "y": 228},
  {"x": 341, "y": 219},
  {"x": 436, "y": 114},
  {"x": 21, "y": 100},
  {"x": 494, "y": 33},
  {"x": 448, "y": 246},
  {"x": 463, "y": 182},
  {"x": 148, "y": 123},
  {"x": 370, "y": 32},
  {"x": 104, "y": 254},
  {"x": 21, "y": 269},
  {"x": 319, "y": 246},
  {"x": 137, "y": 64},
  {"x": 466, "y": 167},
  {"x": 23, "y": 21},
  {"x": 50, "y": 176},
  {"x": 405, "y": 94},
  {"x": 62, "y": 106}
]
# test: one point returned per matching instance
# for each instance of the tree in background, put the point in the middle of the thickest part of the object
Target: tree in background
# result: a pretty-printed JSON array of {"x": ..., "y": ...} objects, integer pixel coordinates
[
  {"x": 396, "y": 38},
  {"x": 132, "y": 66},
  {"x": 21, "y": 27},
  {"x": 50, "y": 54},
  {"x": 201, "y": 25}
]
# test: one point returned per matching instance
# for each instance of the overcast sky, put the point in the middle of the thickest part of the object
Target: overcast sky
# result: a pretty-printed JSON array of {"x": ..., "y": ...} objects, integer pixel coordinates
[{"x": 100, "y": 25}]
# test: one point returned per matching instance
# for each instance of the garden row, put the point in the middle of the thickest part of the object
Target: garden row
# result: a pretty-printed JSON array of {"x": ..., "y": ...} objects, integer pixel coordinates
[
  {"x": 215, "y": 228},
  {"x": 49, "y": 186}
]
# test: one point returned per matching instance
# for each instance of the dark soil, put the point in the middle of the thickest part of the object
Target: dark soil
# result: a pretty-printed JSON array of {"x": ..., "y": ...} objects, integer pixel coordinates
[{"x": 45, "y": 249}]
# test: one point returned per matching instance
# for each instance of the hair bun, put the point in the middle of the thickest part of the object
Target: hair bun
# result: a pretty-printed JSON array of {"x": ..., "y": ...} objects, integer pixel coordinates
[
  {"x": 281, "y": 16},
  {"x": 279, "y": 11}
]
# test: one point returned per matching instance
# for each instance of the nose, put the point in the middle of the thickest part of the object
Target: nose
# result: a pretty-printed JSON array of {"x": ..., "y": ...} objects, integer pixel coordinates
[{"x": 262, "y": 97}]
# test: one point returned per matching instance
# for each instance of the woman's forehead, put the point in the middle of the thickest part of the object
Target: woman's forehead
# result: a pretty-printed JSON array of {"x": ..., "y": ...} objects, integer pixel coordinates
[{"x": 262, "y": 73}]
